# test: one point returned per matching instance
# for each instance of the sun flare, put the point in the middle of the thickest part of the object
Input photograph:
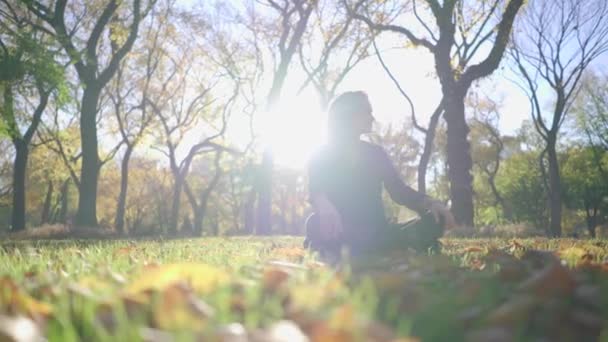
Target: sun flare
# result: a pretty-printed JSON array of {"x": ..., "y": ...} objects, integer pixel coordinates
[{"x": 293, "y": 130}]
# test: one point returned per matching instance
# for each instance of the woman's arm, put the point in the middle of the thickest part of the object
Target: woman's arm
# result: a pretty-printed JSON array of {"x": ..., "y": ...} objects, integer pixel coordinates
[{"x": 405, "y": 195}]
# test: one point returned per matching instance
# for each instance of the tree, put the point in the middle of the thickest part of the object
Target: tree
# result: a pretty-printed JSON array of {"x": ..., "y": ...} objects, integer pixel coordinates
[
  {"x": 332, "y": 47},
  {"x": 461, "y": 29},
  {"x": 95, "y": 67},
  {"x": 556, "y": 43},
  {"x": 428, "y": 132},
  {"x": 128, "y": 91},
  {"x": 520, "y": 183},
  {"x": 200, "y": 203},
  {"x": 292, "y": 17},
  {"x": 591, "y": 108},
  {"x": 488, "y": 146},
  {"x": 28, "y": 69},
  {"x": 585, "y": 183}
]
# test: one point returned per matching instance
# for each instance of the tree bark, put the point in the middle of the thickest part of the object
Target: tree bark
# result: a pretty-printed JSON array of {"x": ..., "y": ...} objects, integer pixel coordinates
[
  {"x": 459, "y": 159},
  {"x": 20, "y": 167},
  {"x": 46, "y": 208},
  {"x": 21, "y": 143},
  {"x": 86, "y": 215},
  {"x": 119, "y": 222},
  {"x": 555, "y": 197}
]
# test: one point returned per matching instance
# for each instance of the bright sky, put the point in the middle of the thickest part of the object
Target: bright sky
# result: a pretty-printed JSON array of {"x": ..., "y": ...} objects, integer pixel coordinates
[{"x": 299, "y": 127}]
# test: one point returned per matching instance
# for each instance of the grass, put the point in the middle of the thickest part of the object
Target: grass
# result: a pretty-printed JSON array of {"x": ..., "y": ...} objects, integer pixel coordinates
[{"x": 265, "y": 288}]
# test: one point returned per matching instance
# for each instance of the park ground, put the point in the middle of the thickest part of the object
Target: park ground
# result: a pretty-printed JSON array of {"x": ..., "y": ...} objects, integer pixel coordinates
[{"x": 270, "y": 289}]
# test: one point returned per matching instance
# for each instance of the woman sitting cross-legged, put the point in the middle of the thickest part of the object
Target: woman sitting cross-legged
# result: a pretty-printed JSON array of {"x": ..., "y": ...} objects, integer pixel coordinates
[{"x": 346, "y": 178}]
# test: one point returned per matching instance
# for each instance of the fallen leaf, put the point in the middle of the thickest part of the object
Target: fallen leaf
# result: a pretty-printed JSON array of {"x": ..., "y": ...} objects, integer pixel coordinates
[
  {"x": 321, "y": 331},
  {"x": 273, "y": 278},
  {"x": 15, "y": 301},
  {"x": 179, "y": 309},
  {"x": 554, "y": 279},
  {"x": 515, "y": 309},
  {"x": 124, "y": 250},
  {"x": 200, "y": 277},
  {"x": 474, "y": 249}
]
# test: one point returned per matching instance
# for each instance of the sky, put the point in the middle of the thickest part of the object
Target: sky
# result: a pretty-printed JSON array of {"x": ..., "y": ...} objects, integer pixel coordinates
[
  {"x": 297, "y": 131},
  {"x": 296, "y": 126}
]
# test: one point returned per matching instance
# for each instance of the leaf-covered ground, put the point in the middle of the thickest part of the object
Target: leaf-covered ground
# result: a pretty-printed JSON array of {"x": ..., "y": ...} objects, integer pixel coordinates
[{"x": 269, "y": 289}]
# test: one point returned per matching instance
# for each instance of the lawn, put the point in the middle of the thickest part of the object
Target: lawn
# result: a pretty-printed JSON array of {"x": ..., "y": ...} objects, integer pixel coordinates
[{"x": 269, "y": 289}]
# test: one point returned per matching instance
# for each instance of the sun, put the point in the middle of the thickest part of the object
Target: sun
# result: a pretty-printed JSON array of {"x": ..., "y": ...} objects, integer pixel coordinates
[{"x": 293, "y": 130}]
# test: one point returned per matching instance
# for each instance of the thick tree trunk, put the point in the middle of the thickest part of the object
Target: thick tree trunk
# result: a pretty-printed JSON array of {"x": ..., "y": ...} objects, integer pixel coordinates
[
  {"x": 46, "y": 207},
  {"x": 459, "y": 159},
  {"x": 555, "y": 198},
  {"x": 20, "y": 167},
  {"x": 197, "y": 224},
  {"x": 264, "y": 211},
  {"x": 119, "y": 222},
  {"x": 86, "y": 215}
]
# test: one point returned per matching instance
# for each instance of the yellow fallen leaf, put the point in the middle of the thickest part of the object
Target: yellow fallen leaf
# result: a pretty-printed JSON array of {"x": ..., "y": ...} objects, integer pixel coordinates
[
  {"x": 576, "y": 253},
  {"x": 289, "y": 253},
  {"x": 178, "y": 309},
  {"x": 344, "y": 318},
  {"x": 15, "y": 301},
  {"x": 202, "y": 278},
  {"x": 322, "y": 332},
  {"x": 474, "y": 249}
]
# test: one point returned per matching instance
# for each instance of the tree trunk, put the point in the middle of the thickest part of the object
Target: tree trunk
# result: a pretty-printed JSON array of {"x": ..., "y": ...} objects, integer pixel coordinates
[
  {"x": 264, "y": 211},
  {"x": 591, "y": 221},
  {"x": 429, "y": 138},
  {"x": 174, "y": 217},
  {"x": 197, "y": 223},
  {"x": 498, "y": 200},
  {"x": 459, "y": 159},
  {"x": 555, "y": 199},
  {"x": 46, "y": 208},
  {"x": 119, "y": 222},
  {"x": 86, "y": 215},
  {"x": 65, "y": 201},
  {"x": 20, "y": 167}
]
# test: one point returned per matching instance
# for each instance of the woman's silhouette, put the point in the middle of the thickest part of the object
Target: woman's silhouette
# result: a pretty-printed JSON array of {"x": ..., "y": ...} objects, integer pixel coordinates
[{"x": 346, "y": 177}]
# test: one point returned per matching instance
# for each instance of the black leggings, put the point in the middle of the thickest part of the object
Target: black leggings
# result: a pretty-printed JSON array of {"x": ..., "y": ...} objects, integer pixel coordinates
[{"x": 422, "y": 234}]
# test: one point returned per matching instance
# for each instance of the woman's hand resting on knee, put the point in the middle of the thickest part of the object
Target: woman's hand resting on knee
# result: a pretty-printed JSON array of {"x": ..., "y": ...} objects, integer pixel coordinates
[{"x": 440, "y": 212}]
